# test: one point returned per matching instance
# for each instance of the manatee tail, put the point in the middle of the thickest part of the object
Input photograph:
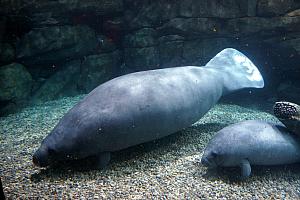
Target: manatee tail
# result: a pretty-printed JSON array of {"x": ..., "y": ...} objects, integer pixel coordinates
[{"x": 238, "y": 71}]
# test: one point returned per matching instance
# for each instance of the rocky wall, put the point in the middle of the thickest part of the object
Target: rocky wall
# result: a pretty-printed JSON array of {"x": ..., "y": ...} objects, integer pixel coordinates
[{"x": 50, "y": 49}]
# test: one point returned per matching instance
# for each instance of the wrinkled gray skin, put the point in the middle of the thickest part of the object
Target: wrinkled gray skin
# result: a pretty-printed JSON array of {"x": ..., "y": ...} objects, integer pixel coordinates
[
  {"x": 252, "y": 142},
  {"x": 144, "y": 106}
]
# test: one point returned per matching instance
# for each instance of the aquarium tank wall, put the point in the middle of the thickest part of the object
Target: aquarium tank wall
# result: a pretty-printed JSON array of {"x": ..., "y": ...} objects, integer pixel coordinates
[{"x": 55, "y": 52}]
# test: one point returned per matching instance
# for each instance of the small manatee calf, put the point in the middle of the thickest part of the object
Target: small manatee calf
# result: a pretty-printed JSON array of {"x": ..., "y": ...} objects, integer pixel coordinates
[
  {"x": 144, "y": 106},
  {"x": 251, "y": 142}
]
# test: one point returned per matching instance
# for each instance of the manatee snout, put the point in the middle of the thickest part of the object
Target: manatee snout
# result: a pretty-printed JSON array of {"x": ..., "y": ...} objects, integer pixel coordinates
[
  {"x": 41, "y": 157},
  {"x": 208, "y": 159}
]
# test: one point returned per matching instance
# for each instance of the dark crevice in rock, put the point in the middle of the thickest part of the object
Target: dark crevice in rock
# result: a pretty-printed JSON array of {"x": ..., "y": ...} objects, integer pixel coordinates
[{"x": 16, "y": 26}]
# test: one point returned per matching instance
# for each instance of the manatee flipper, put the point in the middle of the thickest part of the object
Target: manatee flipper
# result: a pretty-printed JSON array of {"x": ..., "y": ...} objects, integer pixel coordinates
[
  {"x": 102, "y": 160},
  {"x": 245, "y": 169}
]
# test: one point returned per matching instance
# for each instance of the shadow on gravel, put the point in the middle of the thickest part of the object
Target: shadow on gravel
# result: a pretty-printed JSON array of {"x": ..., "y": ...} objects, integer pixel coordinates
[{"x": 232, "y": 174}]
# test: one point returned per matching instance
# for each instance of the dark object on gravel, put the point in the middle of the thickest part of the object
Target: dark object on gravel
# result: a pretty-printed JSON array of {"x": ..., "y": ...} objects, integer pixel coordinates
[
  {"x": 1, "y": 191},
  {"x": 289, "y": 114}
]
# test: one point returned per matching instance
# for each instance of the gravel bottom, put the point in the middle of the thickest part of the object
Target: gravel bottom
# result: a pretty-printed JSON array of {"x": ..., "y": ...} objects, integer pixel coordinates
[{"x": 164, "y": 169}]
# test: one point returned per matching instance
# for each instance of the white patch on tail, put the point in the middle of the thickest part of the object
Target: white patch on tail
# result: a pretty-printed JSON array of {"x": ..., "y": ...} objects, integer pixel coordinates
[
  {"x": 254, "y": 74},
  {"x": 237, "y": 70}
]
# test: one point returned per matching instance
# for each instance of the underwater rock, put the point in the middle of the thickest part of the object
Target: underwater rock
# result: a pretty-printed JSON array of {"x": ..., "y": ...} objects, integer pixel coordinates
[
  {"x": 214, "y": 27},
  {"x": 214, "y": 8},
  {"x": 147, "y": 13},
  {"x": 15, "y": 82},
  {"x": 154, "y": 13},
  {"x": 145, "y": 37},
  {"x": 251, "y": 8},
  {"x": 2, "y": 28},
  {"x": 63, "y": 83},
  {"x": 193, "y": 26},
  {"x": 292, "y": 42},
  {"x": 141, "y": 58},
  {"x": 264, "y": 26},
  {"x": 105, "y": 44},
  {"x": 41, "y": 13},
  {"x": 113, "y": 29},
  {"x": 289, "y": 91},
  {"x": 276, "y": 7},
  {"x": 56, "y": 43},
  {"x": 171, "y": 58},
  {"x": 96, "y": 69},
  {"x": 199, "y": 51},
  {"x": 7, "y": 53}
]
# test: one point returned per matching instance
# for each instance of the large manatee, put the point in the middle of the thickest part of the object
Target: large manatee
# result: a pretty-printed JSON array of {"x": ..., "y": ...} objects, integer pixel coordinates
[
  {"x": 251, "y": 142},
  {"x": 144, "y": 106}
]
